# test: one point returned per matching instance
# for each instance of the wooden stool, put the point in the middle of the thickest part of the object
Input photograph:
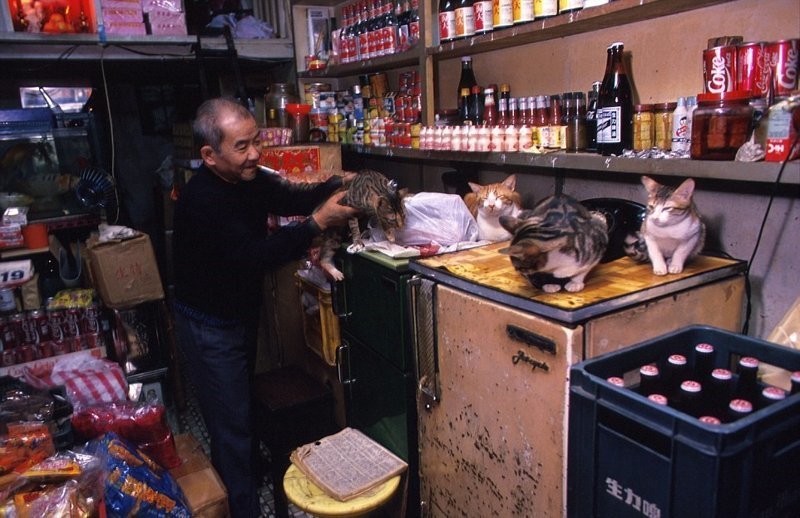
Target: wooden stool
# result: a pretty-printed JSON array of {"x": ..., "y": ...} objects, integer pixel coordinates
[
  {"x": 306, "y": 495},
  {"x": 292, "y": 409}
]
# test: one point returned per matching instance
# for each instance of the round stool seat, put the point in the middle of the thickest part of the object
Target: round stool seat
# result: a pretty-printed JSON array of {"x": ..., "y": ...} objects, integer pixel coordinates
[{"x": 306, "y": 495}]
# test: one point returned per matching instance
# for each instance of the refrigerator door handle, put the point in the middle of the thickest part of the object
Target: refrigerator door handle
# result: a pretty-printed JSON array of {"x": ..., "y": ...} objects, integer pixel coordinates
[
  {"x": 422, "y": 302},
  {"x": 341, "y": 360},
  {"x": 339, "y": 297}
]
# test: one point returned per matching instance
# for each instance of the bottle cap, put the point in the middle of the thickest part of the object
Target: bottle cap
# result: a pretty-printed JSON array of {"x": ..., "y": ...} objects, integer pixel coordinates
[
  {"x": 616, "y": 44},
  {"x": 648, "y": 370},
  {"x": 704, "y": 348},
  {"x": 658, "y": 399},
  {"x": 505, "y": 87},
  {"x": 722, "y": 374},
  {"x": 466, "y": 58},
  {"x": 677, "y": 359},
  {"x": 476, "y": 89},
  {"x": 691, "y": 387},
  {"x": 616, "y": 381},
  {"x": 773, "y": 393},
  {"x": 796, "y": 376},
  {"x": 748, "y": 362},
  {"x": 741, "y": 406},
  {"x": 464, "y": 91},
  {"x": 709, "y": 419}
]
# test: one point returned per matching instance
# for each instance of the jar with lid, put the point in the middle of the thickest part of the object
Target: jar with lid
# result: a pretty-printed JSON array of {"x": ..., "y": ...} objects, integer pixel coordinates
[
  {"x": 278, "y": 96},
  {"x": 722, "y": 124},
  {"x": 662, "y": 119},
  {"x": 643, "y": 128}
]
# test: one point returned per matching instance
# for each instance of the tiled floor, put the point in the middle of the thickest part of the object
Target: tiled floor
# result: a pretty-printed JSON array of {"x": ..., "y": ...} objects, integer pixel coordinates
[{"x": 190, "y": 421}]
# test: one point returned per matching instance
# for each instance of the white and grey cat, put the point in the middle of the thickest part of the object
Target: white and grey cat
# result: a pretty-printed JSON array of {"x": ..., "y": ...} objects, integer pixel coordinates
[
  {"x": 557, "y": 243},
  {"x": 488, "y": 202},
  {"x": 672, "y": 231}
]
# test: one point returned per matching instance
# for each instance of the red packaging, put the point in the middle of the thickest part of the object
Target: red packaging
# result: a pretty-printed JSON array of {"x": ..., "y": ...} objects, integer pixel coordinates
[
  {"x": 752, "y": 69},
  {"x": 783, "y": 61},
  {"x": 55, "y": 319},
  {"x": 719, "y": 69}
]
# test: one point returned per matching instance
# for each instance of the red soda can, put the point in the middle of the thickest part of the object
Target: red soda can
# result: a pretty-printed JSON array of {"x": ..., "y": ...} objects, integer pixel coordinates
[
  {"x": 72, "y": 321},
  {"x": 29, "y": 334},
  {"x": 16, "y": 324},
  {"x": 719, "y": 69},
  {"x": 91, "y": 319},
  {"x": 783, "y": 61},
  {"x": 7, "y": 334},
  {"x": 8, "y": 357},
  {"x": 752, "y": 69},
  {"x": 92, "y": 340},
  {"x": 26, "y": 353},
  {"x": 75, "y": 343},
  {"x": 61, "y": 347},
  {"x": 46, "y": 349},
  {"x": 56, "y": 322},
  {"x": 39, "y": 318}
]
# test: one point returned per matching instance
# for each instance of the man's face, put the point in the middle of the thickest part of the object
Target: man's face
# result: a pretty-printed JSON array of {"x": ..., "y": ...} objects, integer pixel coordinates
[{"x": 239, "y": 151}]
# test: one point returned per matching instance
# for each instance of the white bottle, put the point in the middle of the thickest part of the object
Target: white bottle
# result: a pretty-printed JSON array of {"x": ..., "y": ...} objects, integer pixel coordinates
[
  {"x": 447, "y": 138},
  {"x": 455, "y": 142},
  {"x": 680, "y": 127}
]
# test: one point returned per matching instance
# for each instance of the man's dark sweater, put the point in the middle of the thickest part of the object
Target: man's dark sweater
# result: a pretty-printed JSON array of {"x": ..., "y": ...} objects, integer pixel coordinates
[{"x": 221, "y": 245}]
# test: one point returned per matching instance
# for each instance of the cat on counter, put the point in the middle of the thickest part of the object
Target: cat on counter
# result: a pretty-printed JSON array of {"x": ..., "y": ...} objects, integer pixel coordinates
[
  {"x": 381, "y": 205},
  {"x": 672, "y": 231},
  {"x": 557, "y": 243},
  {"x": 488, "y": 202}
]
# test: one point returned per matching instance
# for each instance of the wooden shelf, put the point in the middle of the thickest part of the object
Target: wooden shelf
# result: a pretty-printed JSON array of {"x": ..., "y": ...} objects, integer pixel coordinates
[
  {"x": 613, "y": 14},
  {"x": 409, "y": 58},
  {"x": 753, "y": 172},
  {"x": 13, "y": 45}
]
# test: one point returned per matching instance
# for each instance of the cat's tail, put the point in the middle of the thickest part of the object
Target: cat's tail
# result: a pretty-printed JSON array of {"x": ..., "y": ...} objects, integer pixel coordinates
[{"x": 635, "y": 247}]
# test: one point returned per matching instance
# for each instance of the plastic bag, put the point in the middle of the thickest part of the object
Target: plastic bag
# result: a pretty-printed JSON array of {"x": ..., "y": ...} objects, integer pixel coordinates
[
  {"x": 134, "y": 484},
  {"x": 145, "y": 425},
  {"x": 436, "y": 218}
]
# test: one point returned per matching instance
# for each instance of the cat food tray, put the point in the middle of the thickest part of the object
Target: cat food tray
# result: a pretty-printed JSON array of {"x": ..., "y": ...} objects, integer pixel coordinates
[{"x": 487, "y": 272}]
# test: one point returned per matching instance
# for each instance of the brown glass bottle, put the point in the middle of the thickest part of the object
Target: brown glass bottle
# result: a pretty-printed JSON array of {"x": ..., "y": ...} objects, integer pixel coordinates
[
  {"x": 591, "y": 117},
  {"x": 615, "y": 106},
  {"x": 467, "y": 79},
  {"x": 649, "y": 380}
]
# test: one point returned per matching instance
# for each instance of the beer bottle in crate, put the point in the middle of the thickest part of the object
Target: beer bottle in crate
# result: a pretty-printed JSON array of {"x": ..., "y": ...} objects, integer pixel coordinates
[
  {"x": 747, "y": 384},
  {"x": 649, "y": 380},
  {"x": 675, "y": 372},
  {"x": 738, "y": 409},
  {"x": 703, "y": 360},
  {"x": 720, "y": 390},
  {"x": 689, "y": 399},
  {"x": 770, "y": 395}
]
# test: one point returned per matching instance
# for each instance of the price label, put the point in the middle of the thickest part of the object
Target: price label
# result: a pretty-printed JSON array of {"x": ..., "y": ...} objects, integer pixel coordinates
[{"x": 14, "y": 273}]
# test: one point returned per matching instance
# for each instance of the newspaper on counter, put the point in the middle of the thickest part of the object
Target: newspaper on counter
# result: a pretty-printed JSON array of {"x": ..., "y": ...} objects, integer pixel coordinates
[{"x": 347, "y": 464}]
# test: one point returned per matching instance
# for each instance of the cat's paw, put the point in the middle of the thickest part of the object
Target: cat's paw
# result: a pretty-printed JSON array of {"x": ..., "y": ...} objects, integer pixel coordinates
[
  {"x": 660, "y": 269},
  {"x": 552, "y": 288},
  {"x": 675, "y": 268},
  {"x": 355, "y": 248},
  {"x": 573, "y": 286}
]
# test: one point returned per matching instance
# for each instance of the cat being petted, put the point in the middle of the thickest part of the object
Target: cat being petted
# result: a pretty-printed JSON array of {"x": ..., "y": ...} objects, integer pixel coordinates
[
  {"x": 488, "y": 202},
  {"x": 672, "y": 231},
  {"x": 557, "y": 243},
  {"x": 381, "y": 205}
]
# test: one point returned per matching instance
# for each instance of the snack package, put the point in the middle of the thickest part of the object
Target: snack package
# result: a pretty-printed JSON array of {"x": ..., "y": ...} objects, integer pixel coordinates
[
  {"x": 27, "y": 444},
  {"x": 144, "y": 424},
  {"x": 88, "y": 380},
  {"x": 134, "y": 484}
]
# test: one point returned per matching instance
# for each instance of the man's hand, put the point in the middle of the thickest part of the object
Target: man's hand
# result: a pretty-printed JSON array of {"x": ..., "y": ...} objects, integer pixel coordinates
[{"x": 332, "y": 214}]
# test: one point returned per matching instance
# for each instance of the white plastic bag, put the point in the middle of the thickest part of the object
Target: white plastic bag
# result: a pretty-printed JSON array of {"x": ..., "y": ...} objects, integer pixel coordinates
[{"x": 433, "y": 217}]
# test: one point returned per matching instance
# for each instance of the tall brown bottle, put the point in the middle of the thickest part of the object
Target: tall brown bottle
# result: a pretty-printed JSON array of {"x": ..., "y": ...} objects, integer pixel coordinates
[{"x": 615, "y": 106}]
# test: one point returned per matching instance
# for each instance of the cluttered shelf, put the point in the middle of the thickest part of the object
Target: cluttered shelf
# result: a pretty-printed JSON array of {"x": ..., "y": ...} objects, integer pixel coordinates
[
  {"x": 757, "y": 172},
  {"x": 612, "y": 14},
  {"x": 409, "y": 58}
]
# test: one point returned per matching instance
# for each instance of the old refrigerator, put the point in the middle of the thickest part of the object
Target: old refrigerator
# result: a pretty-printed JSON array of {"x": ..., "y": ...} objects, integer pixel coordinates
[{"x": 493, "y": 357}]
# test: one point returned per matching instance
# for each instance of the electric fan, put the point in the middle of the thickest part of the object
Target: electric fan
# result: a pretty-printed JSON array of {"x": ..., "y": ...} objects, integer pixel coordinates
[{"x": 96, "y": 189}]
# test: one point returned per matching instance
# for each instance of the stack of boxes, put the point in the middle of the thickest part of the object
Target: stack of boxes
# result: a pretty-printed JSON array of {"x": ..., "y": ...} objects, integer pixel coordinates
[{"x": 141, "y": 17}]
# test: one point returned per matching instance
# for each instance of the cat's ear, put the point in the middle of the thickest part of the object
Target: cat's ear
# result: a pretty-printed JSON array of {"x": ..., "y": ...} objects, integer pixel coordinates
[
  {"x": 474, "y": 186},
  {"x": 651, "y": 185},
  {"x": 685, "y": 190},
  {"x": 510, "y": 223},
  {"x": 510, "y": 183}
]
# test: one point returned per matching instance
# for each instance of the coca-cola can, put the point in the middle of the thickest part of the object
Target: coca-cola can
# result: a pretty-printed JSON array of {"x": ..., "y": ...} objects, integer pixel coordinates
[
  {"x": 15, "y": 331},
  {"x": 72, "y": 321},
  {"x": 719, "y": 69},
  {"x": 26, "y": 353},
  {"x": 783, "y": 62},
  {"x": 7, "y": 334},
  {"x": 56, "y": 321},
  {"x": 46, "y": 349},
  {"x": 39, "y": 318},
  {"x": 29, "y": 334},
  {"x": 91, "y": 319},
  {"x": 60, "y": 347},
  {"x": 752, "y": 68}
]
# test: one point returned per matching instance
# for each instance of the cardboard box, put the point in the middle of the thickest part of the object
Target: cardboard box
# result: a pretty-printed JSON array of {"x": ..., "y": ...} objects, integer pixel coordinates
[
  {"x": 204, "y": 491},
  {"x": 125, "y": 273},
  {"x": 305, "y": 158}
]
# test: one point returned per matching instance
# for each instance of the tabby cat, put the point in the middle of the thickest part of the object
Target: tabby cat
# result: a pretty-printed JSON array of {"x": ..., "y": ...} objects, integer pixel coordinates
[
  {"x": 488, "y": 202},
  {"x": 556, "y": 243},
  {"x": 672, "y": 231},
  {"x": 381, "y": 205}
]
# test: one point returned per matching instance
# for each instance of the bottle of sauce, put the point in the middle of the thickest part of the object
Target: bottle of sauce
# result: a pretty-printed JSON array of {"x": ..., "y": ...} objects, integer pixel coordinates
[
  {"x": 463, "y": 107},
  {"x": 465, "y": 19},
  {"x": 490, "y": 116},
  {"x": 615, "y": 106},
  {"x": 513, "y": 113},
  {"x": 447, "y": 20},
  {"x": 502, "y": 112},
  {"x": 484, "y": 19},
  {"x": 591, "y": 117},
  {"x": 476, "y": 105},
  {"x": 467, "y": 79}
]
